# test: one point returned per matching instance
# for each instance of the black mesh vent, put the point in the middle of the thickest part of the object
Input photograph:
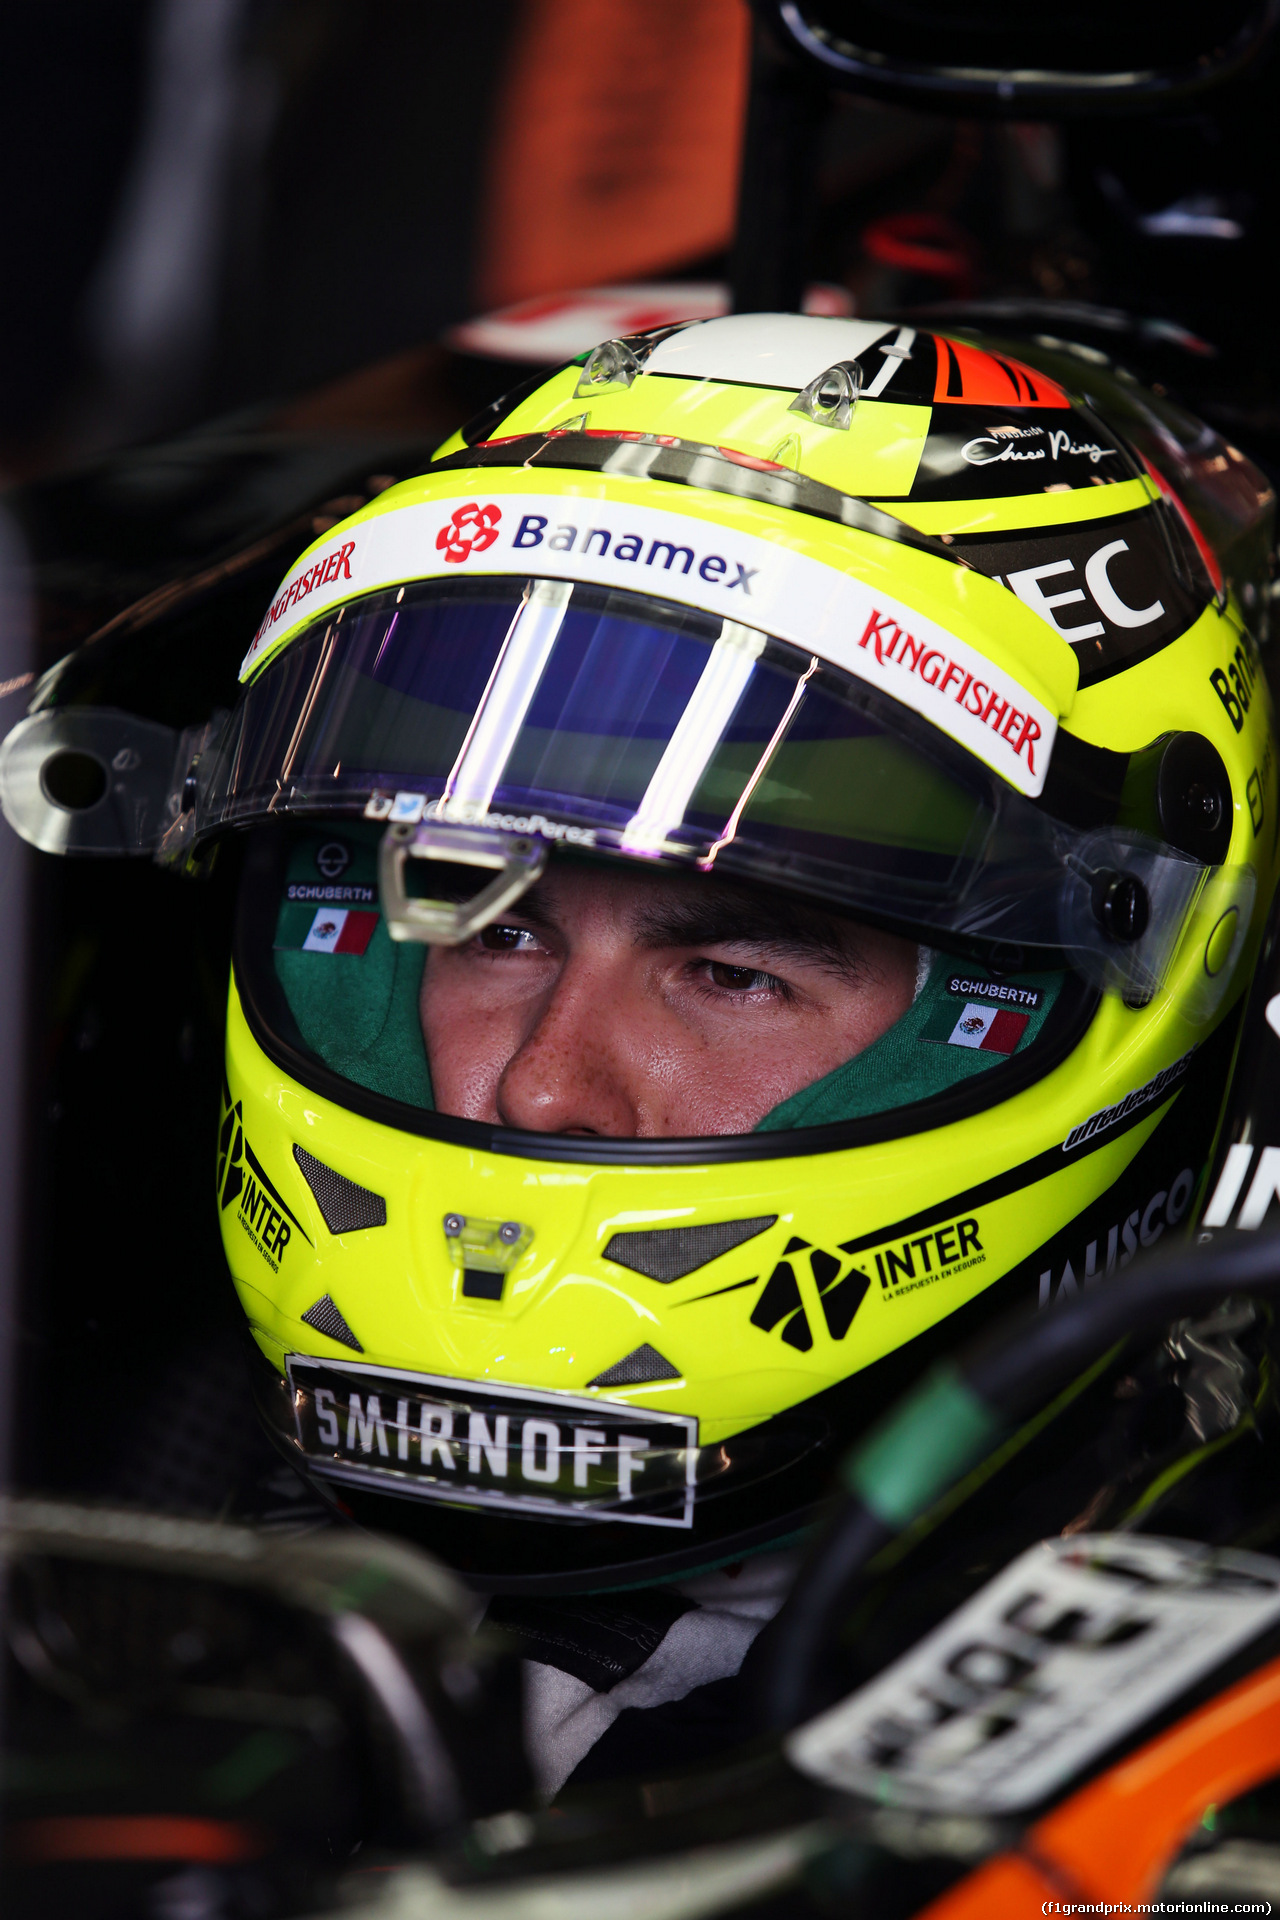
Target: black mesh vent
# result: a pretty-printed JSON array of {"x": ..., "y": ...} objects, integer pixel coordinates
[
  {"x": 345, "y": 1206},
  {"x": 668, "y": 1253},
  {"x": 645, "y": 1364},
  {"x": 326, "y": 1319}
]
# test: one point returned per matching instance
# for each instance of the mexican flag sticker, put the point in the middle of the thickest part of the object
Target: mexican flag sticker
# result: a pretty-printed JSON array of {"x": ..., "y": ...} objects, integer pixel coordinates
[
  {"x": 991, "y": 1029},
  {"x": 340, "y": 930}
]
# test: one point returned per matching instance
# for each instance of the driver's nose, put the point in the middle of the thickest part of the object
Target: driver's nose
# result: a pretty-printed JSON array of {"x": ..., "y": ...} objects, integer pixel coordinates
[{"x": 573, "y": 1072}]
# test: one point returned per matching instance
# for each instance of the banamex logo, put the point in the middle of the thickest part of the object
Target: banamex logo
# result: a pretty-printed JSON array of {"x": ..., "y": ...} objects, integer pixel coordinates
[
  {"x": 470, "y": 529},
  {"x": 473, "y": 528}
]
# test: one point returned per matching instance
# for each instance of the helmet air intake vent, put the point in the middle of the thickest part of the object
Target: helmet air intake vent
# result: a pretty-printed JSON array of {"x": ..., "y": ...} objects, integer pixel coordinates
[
  {"x": 613, "y": 364},
  {"x": 326, "y": 1319},
  {"x": 669, "y": 1253},
  {"x": 645, "y": 1364},
  {"x": 829, "y": 400},
  {"x": 346, "y": 1208},
  {"x": 485, "y": 1250}
]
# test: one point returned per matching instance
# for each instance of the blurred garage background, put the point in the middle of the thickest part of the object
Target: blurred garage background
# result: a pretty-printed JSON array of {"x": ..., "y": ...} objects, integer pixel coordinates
[{"x": 221, "y": 205}]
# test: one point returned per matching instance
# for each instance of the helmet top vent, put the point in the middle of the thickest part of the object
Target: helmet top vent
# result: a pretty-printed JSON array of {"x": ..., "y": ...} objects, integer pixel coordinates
[
  {"x": 645, "y": 1364},
  {"x": 669, "y": 1253},
  {"x": 326, "y": 1319},
  {"x": 346, "y": 1207}
]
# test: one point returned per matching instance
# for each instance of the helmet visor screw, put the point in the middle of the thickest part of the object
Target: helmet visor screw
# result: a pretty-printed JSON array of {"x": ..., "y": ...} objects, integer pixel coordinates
[
  {"x": 1121, "y": 905},
  {"x": 1203, "y": 806}
]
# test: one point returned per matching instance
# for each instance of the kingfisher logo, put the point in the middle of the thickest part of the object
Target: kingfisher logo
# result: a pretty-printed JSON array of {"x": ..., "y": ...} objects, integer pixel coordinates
[
  {"x": 329, "y": 568},
  {"x": 261, "y": 1211},
  {"x": 892, "y": 642},
  {"x": 471, "y": 529},
  {"x": 841, "y": 1288}
]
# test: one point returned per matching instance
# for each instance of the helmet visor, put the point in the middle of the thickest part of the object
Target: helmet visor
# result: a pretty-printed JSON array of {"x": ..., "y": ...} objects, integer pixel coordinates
[{"x": 613, "y": 723}]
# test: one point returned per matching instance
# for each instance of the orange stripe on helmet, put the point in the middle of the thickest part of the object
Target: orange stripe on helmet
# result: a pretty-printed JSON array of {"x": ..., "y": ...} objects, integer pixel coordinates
[{"x": 979, "y": 378}]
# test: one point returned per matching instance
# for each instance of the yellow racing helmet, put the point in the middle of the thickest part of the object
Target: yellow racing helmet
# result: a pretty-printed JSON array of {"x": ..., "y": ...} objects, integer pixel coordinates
[{"x": 954, "y": 640}]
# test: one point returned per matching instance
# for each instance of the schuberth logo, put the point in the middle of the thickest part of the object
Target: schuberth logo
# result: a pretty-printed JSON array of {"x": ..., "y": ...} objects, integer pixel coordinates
[
  {"x": 979, "y": 988},
  {"x": 471, "y": 529},
  {"x": 262, "y": 1212},
  {"x": 353, "y": 894},
  {"x": 893, "y": 643}
]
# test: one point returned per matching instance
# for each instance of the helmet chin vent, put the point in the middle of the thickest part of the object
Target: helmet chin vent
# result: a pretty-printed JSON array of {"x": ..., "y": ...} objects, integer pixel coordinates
[
  {"x": 326, "y": 1319},
  {"x": 645, "y": 1364},
  {"x": 346, "y": 1207},
  {"x": 668, "y": 1253}
]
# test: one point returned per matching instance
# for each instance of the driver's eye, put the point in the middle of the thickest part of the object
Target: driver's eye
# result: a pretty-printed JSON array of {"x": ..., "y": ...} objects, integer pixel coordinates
[
  {"x": 502, "y": 939},
  {"x": 736, "y": 979}
]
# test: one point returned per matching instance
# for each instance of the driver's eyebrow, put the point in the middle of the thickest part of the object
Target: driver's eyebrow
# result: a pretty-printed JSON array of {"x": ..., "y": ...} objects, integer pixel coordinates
[
  {"x": 733, "y": 920},
  {"x": 720, "y": 919},
  {"x": 536, "y": 906}
]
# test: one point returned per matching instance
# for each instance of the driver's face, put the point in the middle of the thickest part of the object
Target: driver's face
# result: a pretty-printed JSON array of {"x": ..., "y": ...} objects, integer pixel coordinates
[{"x": 652, "y": 1005}]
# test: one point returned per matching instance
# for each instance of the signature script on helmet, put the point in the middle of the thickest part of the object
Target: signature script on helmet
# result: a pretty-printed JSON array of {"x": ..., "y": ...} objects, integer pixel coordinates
[{"x": 472, "y": 528}]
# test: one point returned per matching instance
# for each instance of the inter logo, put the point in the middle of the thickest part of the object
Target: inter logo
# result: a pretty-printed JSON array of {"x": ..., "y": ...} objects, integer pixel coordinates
[
  {"x": 841, "y": 1289},
  {"x": 929, "y": 1256},
  {"x": 262, "y": 1211}
]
